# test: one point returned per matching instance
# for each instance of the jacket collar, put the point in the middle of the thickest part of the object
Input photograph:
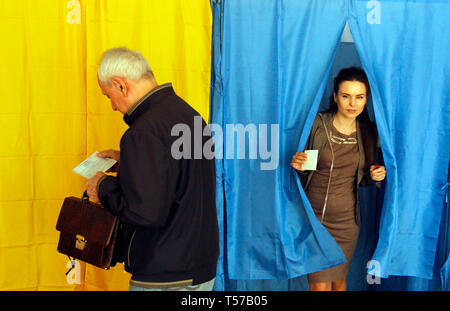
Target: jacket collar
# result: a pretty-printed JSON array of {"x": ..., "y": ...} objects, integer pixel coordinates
[{"x": 145, "y": 102}]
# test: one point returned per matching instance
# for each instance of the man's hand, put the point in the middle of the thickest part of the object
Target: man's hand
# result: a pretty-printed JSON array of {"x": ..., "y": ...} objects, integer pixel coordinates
[
  {"x": 91, "y": 187},
  {"x": 377, "y": 173},
  {"x": 111, "y": 154}
]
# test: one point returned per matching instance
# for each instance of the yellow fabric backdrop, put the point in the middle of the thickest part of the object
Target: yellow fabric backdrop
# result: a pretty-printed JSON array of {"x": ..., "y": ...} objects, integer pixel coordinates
[{"x": 53, "y": 114}]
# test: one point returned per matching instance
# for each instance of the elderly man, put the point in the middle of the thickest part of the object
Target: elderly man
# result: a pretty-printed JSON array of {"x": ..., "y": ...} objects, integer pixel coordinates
[{"x": 166, "y": 206}]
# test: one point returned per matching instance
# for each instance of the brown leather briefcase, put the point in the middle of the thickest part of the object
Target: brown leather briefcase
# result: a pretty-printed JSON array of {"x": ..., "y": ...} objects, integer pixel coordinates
[{"x": 87, "y": 231}]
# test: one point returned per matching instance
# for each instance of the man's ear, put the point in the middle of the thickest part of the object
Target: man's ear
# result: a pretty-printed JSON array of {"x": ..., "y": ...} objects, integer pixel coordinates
[{"x": 120, "y": 84}]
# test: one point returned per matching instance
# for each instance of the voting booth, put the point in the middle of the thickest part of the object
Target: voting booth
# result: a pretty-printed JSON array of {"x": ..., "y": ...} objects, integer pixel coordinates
[{"x": 272, "y": 61}]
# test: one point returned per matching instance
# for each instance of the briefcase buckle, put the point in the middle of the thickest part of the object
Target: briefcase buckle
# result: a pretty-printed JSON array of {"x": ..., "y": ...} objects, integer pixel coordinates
[{"x": 80, "y": 242}]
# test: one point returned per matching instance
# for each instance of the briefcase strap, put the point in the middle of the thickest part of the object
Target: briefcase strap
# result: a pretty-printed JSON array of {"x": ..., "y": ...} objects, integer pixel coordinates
[
  {"x": 72, "y": 262},
  {"x": 85, "y": 199}
]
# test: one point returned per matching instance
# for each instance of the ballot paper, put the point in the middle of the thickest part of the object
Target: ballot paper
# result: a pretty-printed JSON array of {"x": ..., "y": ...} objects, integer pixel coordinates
[
  {"x": 89, "y": 167},
  {"x": 311, "y": 163}
]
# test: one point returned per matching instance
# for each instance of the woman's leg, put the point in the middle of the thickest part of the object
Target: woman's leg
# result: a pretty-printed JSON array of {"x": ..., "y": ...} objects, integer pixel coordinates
[
  {"x": 321, "y": 286},
  {"x": 338, "y": 285}
]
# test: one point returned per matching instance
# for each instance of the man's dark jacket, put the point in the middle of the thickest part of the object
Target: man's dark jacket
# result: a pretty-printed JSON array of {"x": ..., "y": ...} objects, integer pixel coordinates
[{"x": 166, "y": 205}]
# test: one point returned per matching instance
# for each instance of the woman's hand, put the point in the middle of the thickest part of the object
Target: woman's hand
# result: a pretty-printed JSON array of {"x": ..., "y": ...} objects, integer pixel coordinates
[
  {"x": 298, "y": 160},
  {"x": 111, "y": 154},
  {"x": 377, "y": 173}
]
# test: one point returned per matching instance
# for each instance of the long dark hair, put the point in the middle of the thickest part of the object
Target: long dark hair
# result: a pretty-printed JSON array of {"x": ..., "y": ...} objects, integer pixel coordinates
[{"x": 367, "y": 130}]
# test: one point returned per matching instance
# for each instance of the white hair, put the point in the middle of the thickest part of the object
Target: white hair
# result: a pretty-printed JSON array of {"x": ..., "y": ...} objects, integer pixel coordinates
[{"x": 125, "y": 63}]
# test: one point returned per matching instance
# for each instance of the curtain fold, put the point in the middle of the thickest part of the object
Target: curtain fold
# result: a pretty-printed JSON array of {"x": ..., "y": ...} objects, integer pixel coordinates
[{"x": 445, "y": 269}]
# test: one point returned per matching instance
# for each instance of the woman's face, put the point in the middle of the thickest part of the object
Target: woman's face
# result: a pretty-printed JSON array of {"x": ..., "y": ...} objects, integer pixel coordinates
[{"x": 351, "y": 99}]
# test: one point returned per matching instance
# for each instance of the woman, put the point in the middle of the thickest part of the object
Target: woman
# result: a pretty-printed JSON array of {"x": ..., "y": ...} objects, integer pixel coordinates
[{"x": 346, "y": 140}]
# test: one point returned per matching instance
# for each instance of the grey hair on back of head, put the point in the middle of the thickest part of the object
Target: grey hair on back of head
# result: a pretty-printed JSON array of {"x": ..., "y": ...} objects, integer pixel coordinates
[{"x": 125, "y": 63}]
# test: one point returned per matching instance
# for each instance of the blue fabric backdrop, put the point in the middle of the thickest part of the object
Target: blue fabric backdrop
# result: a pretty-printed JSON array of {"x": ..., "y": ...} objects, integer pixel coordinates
[{"x": 270, "y": 65}]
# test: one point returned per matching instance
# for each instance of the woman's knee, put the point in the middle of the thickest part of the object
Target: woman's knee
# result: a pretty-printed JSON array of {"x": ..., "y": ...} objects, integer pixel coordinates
[
  {"x": 339, "y": 285},
  {"x": 322, "y": 286}
]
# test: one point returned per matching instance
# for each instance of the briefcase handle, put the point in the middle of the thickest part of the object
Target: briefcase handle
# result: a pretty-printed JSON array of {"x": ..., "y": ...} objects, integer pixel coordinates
[{"x": 85, "y": 197}]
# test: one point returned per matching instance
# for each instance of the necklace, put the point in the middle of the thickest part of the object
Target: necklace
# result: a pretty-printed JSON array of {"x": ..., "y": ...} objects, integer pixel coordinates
[{"x": 342, "y": 140}]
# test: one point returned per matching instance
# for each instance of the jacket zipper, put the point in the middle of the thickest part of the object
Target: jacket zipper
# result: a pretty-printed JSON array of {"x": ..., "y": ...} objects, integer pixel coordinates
[
  {"x": 129, "y": 248},
  {"x": 331, "y": 171}
]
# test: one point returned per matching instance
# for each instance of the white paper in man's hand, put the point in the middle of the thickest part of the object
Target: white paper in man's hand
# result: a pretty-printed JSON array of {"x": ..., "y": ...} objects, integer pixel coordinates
[
  {"x": 89, "y": 167},
  {"x": 311, "y": 163}
]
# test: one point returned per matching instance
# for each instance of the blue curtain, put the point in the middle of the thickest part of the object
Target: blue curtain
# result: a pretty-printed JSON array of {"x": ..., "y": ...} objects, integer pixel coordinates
[
  {"x": 404, "y": 51},
  {"x": 268, "y": 77},
  {"x": 270, "y": 65}
]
